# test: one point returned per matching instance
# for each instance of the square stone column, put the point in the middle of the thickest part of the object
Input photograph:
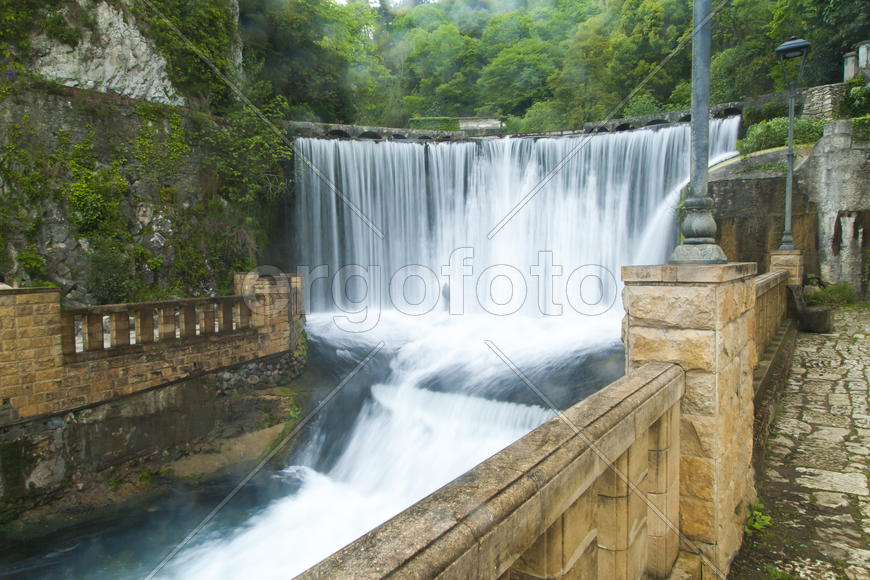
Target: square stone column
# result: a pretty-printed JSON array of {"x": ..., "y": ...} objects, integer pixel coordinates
[
  {"x": 702, "y": 317},
  {"x": 790, "y": 260}
]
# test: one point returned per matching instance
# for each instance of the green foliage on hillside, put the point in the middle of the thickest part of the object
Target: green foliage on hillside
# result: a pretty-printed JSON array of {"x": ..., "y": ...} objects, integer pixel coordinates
[
  {"x": 316, "y": 54},
  {"x": 210, "y": 26},
  {"x": 774, "y": 133},
  {"x": 563, "y": 63},
  {"x": 248, "y": 154},
  {"x": 20, "y": 18},
  {"x": 352, "y": 62},
  {"x": 434, "y": 123},
  {"x": 856, "y": 101},
  {"x": 861, "y": 128}
]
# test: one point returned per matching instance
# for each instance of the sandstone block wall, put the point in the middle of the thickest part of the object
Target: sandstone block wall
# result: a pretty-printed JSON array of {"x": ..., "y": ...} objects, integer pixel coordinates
[
  {"x": 771, "y": 306},
  {"x": 590, "y": 494},
  {"x": 30, "y": 352},
  {"x": 792, "y": 261},
  {"x": 703, "y": 318},
  {"x": 41, "y": 373}
]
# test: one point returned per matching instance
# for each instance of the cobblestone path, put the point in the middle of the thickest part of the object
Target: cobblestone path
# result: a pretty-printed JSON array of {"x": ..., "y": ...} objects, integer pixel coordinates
[{"x": 814, "y": 485}]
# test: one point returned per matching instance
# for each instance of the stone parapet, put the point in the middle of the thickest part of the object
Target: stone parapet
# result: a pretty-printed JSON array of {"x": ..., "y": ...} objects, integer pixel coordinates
[
  {"x": 792, "y": 261},
  {"x": 703, "y": 319},
  {"x": 592, "y": 493},
  {"x": 54, "y": 360},
  {"x": 771, "y": 307}
]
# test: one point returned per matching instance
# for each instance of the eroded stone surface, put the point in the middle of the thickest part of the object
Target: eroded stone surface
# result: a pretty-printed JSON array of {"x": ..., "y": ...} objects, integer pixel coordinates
[{"x": 814, "y": 485}]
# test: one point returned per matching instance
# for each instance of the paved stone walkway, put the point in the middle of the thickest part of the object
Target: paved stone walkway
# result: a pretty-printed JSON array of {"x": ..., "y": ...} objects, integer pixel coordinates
[{"x": 814, "y": 485}]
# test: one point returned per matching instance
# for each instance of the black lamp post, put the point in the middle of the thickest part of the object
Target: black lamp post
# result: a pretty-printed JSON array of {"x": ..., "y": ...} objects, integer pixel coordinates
[{"x": 794, "y": 48}]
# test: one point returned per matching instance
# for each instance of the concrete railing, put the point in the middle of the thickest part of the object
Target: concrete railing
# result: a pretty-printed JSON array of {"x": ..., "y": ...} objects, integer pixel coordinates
[
  {"x": 771, "y": 303},
  {"x": 591, "y": 493}
]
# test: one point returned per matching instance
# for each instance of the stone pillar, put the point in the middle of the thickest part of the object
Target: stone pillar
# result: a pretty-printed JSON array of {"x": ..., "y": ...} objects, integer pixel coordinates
[
  {"x": 702, "y": 317},
  {"x": 31, "y": 356},
  {"x": 850, "y": 66},
  {"x": 791, "y": 261},
  {"x": 864, "y": 54}
]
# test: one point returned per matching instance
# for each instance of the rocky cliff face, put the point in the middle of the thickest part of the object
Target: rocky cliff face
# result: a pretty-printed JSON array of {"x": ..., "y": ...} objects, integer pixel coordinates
[{"x": 113, "y": 57}]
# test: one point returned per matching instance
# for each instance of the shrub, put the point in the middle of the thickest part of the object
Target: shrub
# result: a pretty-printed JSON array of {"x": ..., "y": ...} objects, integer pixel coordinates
[
  {"x": 774, "y": 133},
  {"x": 861, "y": 128},
  {"x": 57, "y": 28},
  {"x": 434, "y": 123},
  {"x": 640, "y": 105},
  {"x": 93, "y": 199},
  {"x": 753, "y": 115},
  {"x": 540, "y": 117},
  {"x": 32, "y": 262},
  {"x": 838, "y": 294},
  {"x": 95, "y": 192},
  {"x": 111, "y": 278},
  {"x": 856, "y": 102}
]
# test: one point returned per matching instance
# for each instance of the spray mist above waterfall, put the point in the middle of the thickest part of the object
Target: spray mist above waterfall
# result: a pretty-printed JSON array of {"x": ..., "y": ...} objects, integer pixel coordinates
[{"x": 613, "y": 203}]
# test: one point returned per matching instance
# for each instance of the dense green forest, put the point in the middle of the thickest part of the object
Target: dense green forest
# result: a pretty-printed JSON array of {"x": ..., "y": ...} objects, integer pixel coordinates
[
  {"x": 542, "y": 64},
  {"x": 539, "y": 63}
]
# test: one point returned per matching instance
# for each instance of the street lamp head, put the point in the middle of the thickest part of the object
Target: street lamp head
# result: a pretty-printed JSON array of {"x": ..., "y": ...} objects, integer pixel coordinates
[{"x": 793, "y": 48}]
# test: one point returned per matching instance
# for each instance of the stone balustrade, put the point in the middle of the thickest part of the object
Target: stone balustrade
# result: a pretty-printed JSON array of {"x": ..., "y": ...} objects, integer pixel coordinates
[
  {"x": 592, "y": 493},
  {"x": 57, "y": 359},
  {"x": 771, "y": 305},
  {"x": 84, "y": 329}
]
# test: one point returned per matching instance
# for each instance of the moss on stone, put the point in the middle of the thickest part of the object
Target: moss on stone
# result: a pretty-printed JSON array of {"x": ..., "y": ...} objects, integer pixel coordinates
[{"x": 17, "y": 458}]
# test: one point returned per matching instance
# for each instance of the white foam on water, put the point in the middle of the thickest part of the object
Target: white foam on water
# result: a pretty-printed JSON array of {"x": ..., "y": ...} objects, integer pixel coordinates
[{"x": 612, "y": 204}]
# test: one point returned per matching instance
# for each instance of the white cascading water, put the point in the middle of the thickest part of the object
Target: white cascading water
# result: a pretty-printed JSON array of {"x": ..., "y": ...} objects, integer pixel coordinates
[{"x": 439, "y": 410}]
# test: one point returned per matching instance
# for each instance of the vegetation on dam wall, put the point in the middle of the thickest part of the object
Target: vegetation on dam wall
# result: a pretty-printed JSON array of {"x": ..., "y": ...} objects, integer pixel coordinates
[{"x": 116, "y": 200}]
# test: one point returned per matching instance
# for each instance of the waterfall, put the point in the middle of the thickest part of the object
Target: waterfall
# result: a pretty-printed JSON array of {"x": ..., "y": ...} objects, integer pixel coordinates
[
  {"x": 439, "y": 400},
  {"x": 430, "y": 199},
  {"x": 398, "y": 239}
]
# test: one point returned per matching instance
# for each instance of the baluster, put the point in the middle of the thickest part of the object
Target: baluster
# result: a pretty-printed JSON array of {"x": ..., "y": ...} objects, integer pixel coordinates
[
  {"x": 167, "y": 323},
  {"x": 207, "y": 319},
  {"x": 93, "y": 332},
  {"x": 664, "y": 493},
  {"x": 68, "y": 332},
  {"x": 144, "y": 325},
  {"x": 119, "y": 325},
  {"x": 188, "y": 320},
  {"x": 622, "y": 533}
]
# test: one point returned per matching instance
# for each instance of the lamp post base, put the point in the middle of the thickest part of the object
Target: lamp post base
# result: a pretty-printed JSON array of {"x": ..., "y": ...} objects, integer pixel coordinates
[{"x": 698, "y": 254}]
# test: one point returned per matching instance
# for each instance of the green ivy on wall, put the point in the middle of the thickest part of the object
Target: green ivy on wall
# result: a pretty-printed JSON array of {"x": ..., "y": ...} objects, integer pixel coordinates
[{"x": 211, "y": 27}]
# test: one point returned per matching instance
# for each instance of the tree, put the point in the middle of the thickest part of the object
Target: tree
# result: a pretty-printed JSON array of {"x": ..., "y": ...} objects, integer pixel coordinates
[{"x": 517, "y": 76}]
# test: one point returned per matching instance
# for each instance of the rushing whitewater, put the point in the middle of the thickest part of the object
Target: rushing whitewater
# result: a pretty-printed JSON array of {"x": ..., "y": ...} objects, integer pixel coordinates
[
  {"x": 444, "y": 400},
  {"x": 612, "y": 203}
]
